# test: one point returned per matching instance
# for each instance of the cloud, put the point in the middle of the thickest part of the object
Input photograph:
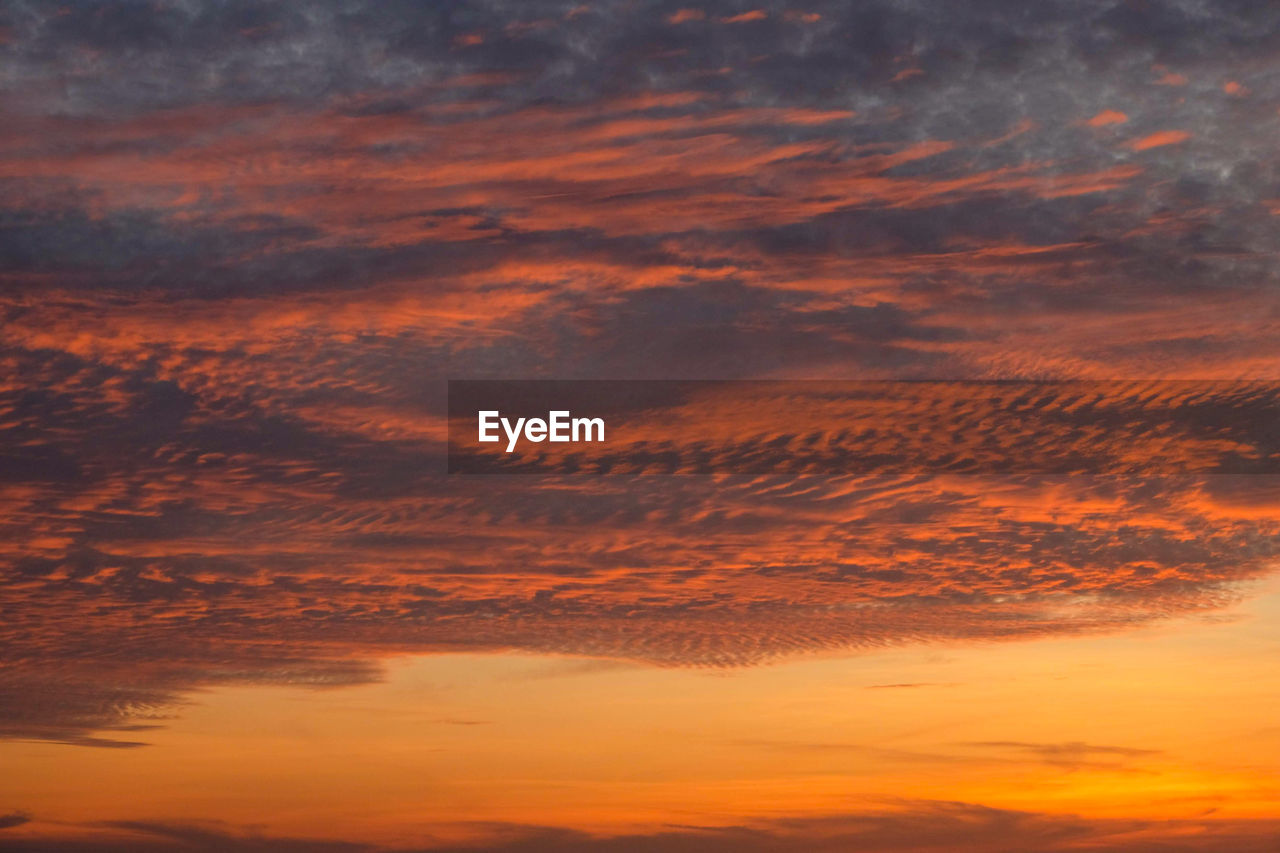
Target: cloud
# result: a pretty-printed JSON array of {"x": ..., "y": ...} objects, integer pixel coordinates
[
  {"x": 1073, "y": 755},
  {"x": 1159, "y": 138},
  {"x": 243, "y": 248},
  {"x": 243, "y": 575},
  {"x": 1107, "y": 117},
  {"x": 120, "y": 836},
  {"x": 921, "y": 827},
  {"x": 682, "y": 15}
]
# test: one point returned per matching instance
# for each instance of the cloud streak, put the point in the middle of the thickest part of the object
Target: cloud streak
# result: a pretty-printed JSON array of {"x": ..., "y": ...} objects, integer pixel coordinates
[{"x": 922, "y": 827}]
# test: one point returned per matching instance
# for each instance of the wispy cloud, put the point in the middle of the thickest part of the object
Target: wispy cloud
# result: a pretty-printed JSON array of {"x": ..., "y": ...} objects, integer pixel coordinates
[{"x": 922, "y": 827}]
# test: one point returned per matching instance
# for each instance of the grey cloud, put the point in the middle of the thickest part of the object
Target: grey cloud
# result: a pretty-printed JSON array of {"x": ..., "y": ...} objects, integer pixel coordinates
[
  {"x": 919, "y": 827},
  {"x": 1071, "y": 755}
]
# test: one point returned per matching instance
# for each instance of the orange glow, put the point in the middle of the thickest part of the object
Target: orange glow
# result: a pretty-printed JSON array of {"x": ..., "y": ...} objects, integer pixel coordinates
[
  {"x": 244, "y": 248},
  {"x": 1095, "y": 730}
]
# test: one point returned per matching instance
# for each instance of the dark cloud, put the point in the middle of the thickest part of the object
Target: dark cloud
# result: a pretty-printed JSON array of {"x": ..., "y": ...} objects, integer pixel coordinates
[
  {"x": 242, "y": 246},
  {"x": 121, "y": 836},
  {"x": 1073, "y": 755},
  {"x": 921, "y": 827},
  {"x": 110, "y": 705},
  {"x": 114, "y": 633}
]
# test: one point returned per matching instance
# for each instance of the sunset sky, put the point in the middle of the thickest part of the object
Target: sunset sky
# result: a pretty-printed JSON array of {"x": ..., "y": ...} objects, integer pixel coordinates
[{"x": 244, "y": 246}]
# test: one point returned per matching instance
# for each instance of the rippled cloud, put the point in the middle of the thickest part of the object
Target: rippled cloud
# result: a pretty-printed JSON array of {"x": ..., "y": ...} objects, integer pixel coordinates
[{"x": 242, "y": 247}]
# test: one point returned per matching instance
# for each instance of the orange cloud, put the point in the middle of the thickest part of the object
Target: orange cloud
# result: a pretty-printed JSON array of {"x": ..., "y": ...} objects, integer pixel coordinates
[
  {"x": 1107, "y": 117},
  {"x": 684, "y": 15},
  {"x": 1158, "y": 139},
  {"x": 753, "y": 15}
]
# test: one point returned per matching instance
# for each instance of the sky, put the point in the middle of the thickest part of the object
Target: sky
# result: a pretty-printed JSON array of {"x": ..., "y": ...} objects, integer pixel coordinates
[{"x": 244, "y": 246}]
